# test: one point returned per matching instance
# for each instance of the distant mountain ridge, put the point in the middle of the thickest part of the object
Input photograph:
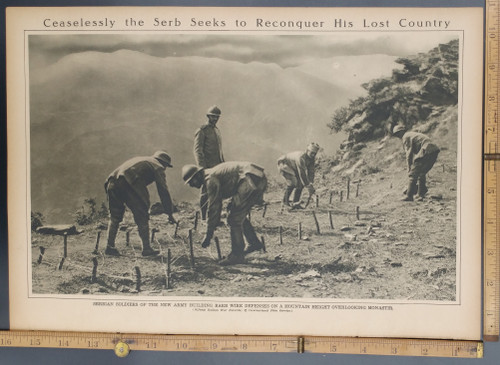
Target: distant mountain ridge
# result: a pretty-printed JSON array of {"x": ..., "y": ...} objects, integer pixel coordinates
[{"x": 91, "y": 111}]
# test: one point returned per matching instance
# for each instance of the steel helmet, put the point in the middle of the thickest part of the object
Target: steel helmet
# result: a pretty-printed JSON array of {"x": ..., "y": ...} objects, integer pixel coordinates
[
  {"x": 398, "y": 128},
  {"x": 189, "y": 171},
  {"x": 163, "y": 158},
  {"x": 214, "y": 110}
]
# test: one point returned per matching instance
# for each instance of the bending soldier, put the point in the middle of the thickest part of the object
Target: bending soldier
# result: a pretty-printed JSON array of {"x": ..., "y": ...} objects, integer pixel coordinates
[
  {"x": 208, "y": 149},
  {"x": 421, "y": 154},
  {"x": 127, "y": 186},
  {"x": 242, "y": 182},
  {"x": 297, "y": 168}
]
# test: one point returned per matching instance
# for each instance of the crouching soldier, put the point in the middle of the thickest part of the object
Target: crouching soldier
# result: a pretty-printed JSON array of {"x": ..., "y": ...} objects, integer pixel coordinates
[
  {"x": 297, "y": 168},
  {"x": 242, "y": 182},
  {"x": 127, "y": 186},
  {"x": 421, "y": 154}
]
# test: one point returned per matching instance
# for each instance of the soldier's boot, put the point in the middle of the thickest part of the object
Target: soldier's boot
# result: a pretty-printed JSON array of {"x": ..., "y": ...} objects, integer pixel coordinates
[
  {"x": 286, "y": 197},
  {"x": 254, "y": 244},
  {"x": 112, "y": 232},
  {"x": 237, "y": 245},
  {"x": 296, "y": 195},
  {"x": 411, "y": 190},
  {"x": 146, "y": 246},
  {"x": 422, "y": 188}
]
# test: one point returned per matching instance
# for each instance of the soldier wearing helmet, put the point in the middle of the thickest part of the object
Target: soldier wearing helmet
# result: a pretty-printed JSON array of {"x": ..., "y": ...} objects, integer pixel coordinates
[
  {"x": 127, "y": 186},
  {"x": 297, "y": 168},
  {"x": 242, "y": 182},
  {"x": 421, "y": 154},
  {"x": 208, "y": 148}
]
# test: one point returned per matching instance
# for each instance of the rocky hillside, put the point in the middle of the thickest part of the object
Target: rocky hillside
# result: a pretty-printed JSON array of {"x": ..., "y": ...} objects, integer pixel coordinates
[{"x": 425, "y": 86}]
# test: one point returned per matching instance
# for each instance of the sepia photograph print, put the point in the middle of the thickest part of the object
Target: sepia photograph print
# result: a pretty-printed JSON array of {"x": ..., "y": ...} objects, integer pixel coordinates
[
  {"x": 333, "y": 158},
  {"x": 306, "y": 167}
]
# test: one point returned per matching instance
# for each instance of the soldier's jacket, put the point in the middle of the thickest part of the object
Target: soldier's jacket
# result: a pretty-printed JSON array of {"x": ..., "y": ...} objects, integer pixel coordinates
[
  {"x": 300, "y": 164},
  {"x": 139, "y": 172},
  {"x": 416, "y": 145},
  {"x": 225, "y": 181},
  {"x": 208, "y": 146}
]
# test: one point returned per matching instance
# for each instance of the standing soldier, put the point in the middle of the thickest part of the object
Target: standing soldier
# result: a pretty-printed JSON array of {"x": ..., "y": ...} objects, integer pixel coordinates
[
  {"x": 421, "y": 154},
  {"x": 242, "y": 182},
  {"x": 127, "y": 186},
  {"x": 297, "y": 168},
  {"x": 208, "y": 149}
]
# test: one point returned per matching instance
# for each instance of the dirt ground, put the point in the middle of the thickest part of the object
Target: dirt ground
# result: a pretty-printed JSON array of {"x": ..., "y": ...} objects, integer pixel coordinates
[{"x": 389, "y": 250}]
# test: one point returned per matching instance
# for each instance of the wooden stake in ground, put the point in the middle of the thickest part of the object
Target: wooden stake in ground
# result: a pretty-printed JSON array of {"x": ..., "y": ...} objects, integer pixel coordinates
[
  {"x": 217, "y": 246},
  {"x": 191, "y": 250},
  {"x": 331, "y": 197},
  {"x": 348, "y": 188},
  {"x": 153, "y": 232},
  {"x": 96, "y": 250},
  {"x": 331, "y": 219},
  {"x": 65, "y": 245},
  {"x": 357, "y": 213},
  {"x": 357, "y": 188},
  {"x": 168, "y": 284},
  {"x": 127, "y": 242},
  {"x": 176, "y": 228},
  {"x": 196, "y": 217},
  {"x": 316, "y": 222},
  {"x": 264, "y": 212},
  {"x": 299, "y": 231},
  {"x": 61, "y": 263},
  {"x": 263, "y": 243},
  {"x": 42, "y": 252},
  {"x": 138, "y": 276},
  {"x": 93, "y": 279},
  {"x": 317, "y": 200},
  {"x": 281, "y": 235},
  {"x": 341, "y": 195}
]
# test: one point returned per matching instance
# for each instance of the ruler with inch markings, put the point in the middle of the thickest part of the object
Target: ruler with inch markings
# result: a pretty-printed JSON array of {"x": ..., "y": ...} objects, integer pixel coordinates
[{"x": 491, "y": 208}]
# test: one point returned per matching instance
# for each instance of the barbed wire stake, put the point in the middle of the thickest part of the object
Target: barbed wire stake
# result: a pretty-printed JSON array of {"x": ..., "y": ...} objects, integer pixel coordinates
[
  {"x": 96, "y": 250},
  {"x": 169, "y": 269},
  {"x": 42, "y": 252},
  {"x": 217, "y": 246},
  {"x": 138, "y": 275},
  {"x": 281, "y": 235},
  {"x": 263, "y": 244},
  {"x": 93, "y": 279},
  {"x": 191, "y": 250},
  {"x": 357, "y": 213},
  {"x": 65, "y": 245},
  {"x": 330, "y": 218},
  {"x": 316, "y": 222}
]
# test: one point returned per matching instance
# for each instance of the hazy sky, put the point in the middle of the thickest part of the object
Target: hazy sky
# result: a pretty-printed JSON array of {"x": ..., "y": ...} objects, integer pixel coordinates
[{"x": 285, "y": 51}]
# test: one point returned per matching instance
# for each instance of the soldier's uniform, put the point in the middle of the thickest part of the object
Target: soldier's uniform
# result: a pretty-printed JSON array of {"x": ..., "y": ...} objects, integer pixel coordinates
[
  {"x": 127, "y": 186},
  {"x": 421, "y": 154},
  {"x": 242, "y": 182},
  {"x": 297, "y": 168},
  {"x": 208, "y": 146},
  {"x": 208, "y": 150}
]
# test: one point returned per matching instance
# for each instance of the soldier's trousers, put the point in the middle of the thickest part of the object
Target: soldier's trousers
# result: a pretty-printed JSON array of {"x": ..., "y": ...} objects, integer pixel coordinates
[
  {"x": 121, "y": 194},
  {"x": 422, "y": 165},
  {"x": 250, "y": 192},
  {"x": 292, "y": 182}
]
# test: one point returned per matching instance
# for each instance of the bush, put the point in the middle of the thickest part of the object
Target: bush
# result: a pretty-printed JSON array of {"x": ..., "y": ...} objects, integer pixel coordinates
[
  {"x": 36, "y": 220},
  {"x": 88, "y": 213}
]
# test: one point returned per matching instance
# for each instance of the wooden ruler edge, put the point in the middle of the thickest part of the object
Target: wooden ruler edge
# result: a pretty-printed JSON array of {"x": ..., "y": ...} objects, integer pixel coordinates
[
  {"x": 491, "y": 282},
  {"x": 244, "y": 343}
]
